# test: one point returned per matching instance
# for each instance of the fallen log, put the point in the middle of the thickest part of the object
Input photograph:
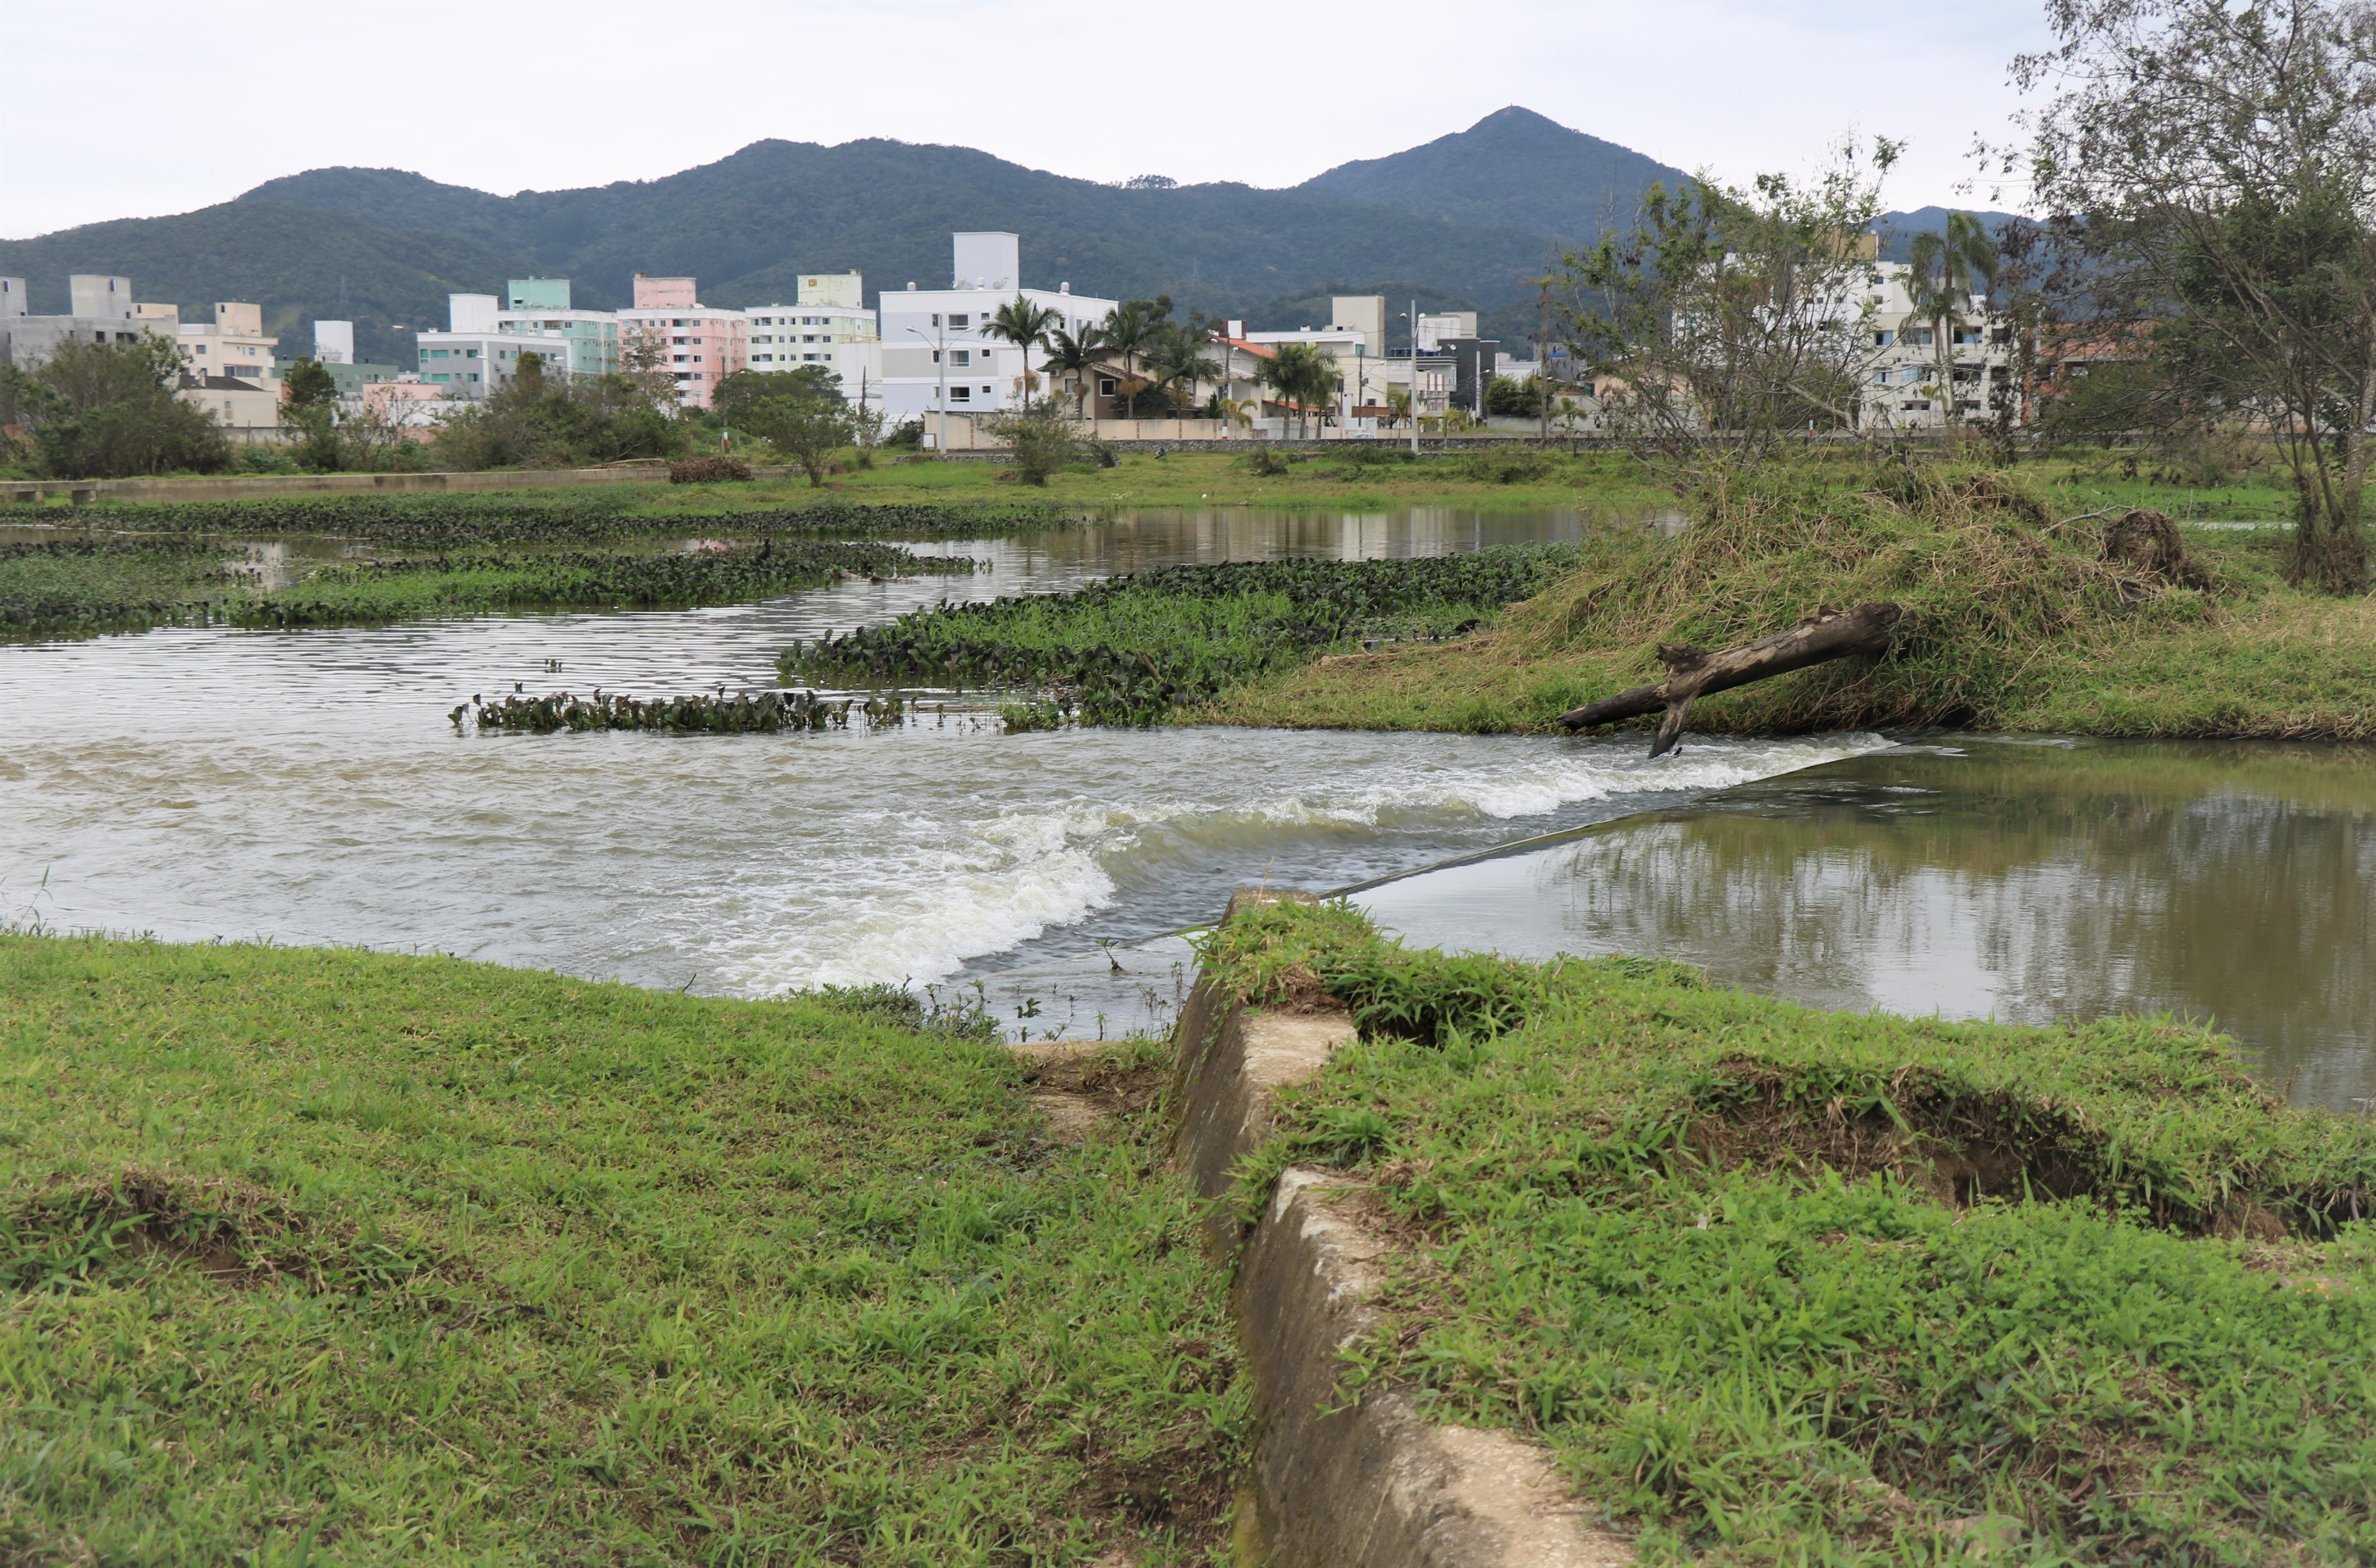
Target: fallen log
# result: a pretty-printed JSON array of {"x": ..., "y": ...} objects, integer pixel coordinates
[{"x": 1696, "y": 673}]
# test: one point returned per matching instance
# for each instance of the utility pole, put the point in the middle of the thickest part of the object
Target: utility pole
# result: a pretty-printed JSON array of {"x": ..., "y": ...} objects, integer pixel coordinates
[
  {"x": 1414, "y": 386},
  {"x": 940, "y": 357},
  {"x": 1543, "y": 360}
]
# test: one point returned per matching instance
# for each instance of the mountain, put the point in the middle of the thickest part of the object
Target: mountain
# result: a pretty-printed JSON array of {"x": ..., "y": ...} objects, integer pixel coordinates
[
  {"x": 1513, "y": 169},
  {"x": 748, "y": 224},
  {"x": 1898, "y": 229}
]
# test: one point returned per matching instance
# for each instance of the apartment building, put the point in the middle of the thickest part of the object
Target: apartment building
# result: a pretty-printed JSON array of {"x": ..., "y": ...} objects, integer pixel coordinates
[
  {"x": 1355, "y": 342},
  {"x": 539, "y": 307},
  {"x": 476, "y": 354},
  {"x": 831, "y": 310},
  {"x": 233, "y": 344},
  {"x": 100, "y": 310},
  {"x": 1912, "y": 380},
  {"x": 938, "y": 357},
  {"x": 698, "y": 346}
]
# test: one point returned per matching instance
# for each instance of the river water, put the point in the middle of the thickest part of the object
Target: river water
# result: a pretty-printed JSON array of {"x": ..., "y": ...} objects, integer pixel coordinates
[{"x": 308, "y": 787}]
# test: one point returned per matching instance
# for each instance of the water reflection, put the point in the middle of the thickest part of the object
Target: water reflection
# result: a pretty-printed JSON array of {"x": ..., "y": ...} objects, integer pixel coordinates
[{"x": 2224, "y": 882}]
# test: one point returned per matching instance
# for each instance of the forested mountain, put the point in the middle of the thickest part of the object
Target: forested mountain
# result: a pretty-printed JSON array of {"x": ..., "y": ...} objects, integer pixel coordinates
[
  {"x": 1460, "y": 221},
  {"x": 1512, "y": 168}
]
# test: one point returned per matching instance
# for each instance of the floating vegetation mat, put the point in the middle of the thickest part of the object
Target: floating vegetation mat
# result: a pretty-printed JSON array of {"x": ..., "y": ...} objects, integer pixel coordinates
[
  {"x": 92, "y": 585},
  {"x": 1134, "y": 650},
  {"x": 700, "y": 714},
  {"x": 453, "y": 521}
]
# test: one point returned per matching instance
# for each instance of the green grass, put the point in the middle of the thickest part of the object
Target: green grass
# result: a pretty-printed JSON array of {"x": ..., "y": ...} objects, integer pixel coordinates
[
  {"x": 125, "y": 583},
  {"x": 331, "y": 1257},
  {"x": 1132, "y": 649},
  {"x": 2022, "y": 626},
  {"x": 1779, "y": 1286}
]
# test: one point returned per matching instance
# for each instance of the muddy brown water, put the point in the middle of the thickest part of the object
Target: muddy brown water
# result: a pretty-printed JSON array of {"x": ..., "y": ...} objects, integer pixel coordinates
[{"x": 2021, "y": 879}]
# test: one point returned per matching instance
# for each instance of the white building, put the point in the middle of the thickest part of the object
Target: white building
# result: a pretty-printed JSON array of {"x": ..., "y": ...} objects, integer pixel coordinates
[
  {"x": 938, "y": 356},
  {"x": 334, "y": 342},
  {"x": 1906, "y": 383},
  {"x": 474, "y": 356},
  {"x": 583, "y": 342},
  {"x": 831, "y": 311}
]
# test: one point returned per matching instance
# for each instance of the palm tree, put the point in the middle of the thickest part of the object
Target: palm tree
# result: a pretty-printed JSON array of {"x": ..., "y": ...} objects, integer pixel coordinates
[
  {"x": 1178, "y": 356},
  {"x": 1130, "y": 329},
  {"x": 1023, "y": 324},
  {"x": 1945, "y": 271},
  {"x": 1302, "y": 376},
  {"x": 1076, "y": 354}
]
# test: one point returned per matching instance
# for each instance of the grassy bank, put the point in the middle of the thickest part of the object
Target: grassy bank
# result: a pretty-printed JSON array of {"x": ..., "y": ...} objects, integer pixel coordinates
[
  {"x": 340, "y": 1258},
  {"x": 1778, "y": 1286},
  {"x": 84, "y": 586},
  {"x": 1130, "y": 650},
  {"x": 2025, "y": 623},
  {"x": 606, "y": 514},
  {"x": 1353, "y": 478}
]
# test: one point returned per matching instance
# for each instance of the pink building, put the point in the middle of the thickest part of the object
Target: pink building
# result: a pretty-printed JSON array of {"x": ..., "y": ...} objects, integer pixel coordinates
[{"x": 698, "y": 346}]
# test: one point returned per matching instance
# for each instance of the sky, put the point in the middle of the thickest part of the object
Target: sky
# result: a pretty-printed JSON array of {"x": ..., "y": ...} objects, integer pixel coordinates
[{"x": 168, "y": 105}]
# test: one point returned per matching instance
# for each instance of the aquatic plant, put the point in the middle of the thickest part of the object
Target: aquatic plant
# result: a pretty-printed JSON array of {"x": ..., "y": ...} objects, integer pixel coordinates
[
  {"x": 698, "y": 713},
  {"x": 1133, "y": 649},
  {"x": 453, "y": 521}
]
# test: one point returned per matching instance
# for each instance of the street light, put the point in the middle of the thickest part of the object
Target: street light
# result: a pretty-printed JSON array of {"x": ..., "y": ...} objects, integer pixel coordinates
[{"x": 939, "y": 342}]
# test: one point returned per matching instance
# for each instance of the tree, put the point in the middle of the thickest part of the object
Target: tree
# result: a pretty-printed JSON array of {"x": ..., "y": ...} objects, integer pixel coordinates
[
  {"x": 2213, "y": 167},
  {"x": 1177, "y": 359},
  {"x": 801, "y": 414},
  {"x": 1734, "y": 317},
  {"x": 1944, "y": 271},
  {"x": 309, "y": 405},
  {"x": 1302, "y": 376},
  {"x": 107, "y": 410},
  {"x": 1508, "y": 398},
  {"x": 1023, "y": 324},
  {"x": 534, "y": 422},
  {"x": 1130, "y": 329},
  {"x": 1075, "y": 355}
]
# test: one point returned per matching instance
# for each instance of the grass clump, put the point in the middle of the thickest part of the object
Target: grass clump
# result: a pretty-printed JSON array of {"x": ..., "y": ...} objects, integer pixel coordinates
[
  {"x": 1133, "y": 649},
  {"x": 2025, "y": 621},
  {"x": 1778, "y": 1286},
  {"x": 373, "y": 1258}
]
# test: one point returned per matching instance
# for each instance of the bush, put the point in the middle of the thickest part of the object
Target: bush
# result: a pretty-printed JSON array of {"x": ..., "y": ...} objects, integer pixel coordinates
[
  {"x": 1041, "y": 439},
  {"x": 708, "y": 470},
  {"x": 1268, "y": 462},
  {"x": 108, "y": 411}
]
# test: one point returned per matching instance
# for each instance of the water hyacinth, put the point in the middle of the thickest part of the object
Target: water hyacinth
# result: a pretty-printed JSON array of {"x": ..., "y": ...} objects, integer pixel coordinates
[
  {"x": 1133, "y": 649},
  {"x": 718, "y": 713},
  {"x": 455, "y": 521}
]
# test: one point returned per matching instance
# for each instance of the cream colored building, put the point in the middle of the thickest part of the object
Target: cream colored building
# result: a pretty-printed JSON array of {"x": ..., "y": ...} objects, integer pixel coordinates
[{"x": 233, "y": 344}]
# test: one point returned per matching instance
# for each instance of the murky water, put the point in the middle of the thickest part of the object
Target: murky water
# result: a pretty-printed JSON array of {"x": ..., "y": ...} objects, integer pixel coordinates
[
  {"x": 1973, "y": 878},
  {"x": 308, "y": 787}
]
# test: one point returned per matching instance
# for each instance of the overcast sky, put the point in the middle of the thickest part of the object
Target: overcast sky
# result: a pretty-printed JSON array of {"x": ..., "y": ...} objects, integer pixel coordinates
[{"x": 162, "y": 107}]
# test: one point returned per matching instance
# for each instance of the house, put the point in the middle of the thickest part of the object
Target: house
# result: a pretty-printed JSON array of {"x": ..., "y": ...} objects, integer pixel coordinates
[
  {"x": 669, "y": 330},
  {"x": 100, "y": 311},
  {"x": 938, "y": 356},
  {"x": 539, "y": 307}
]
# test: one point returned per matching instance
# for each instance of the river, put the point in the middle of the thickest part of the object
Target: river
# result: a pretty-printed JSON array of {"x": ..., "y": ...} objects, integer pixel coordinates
[{"x": 308, "y": 787}]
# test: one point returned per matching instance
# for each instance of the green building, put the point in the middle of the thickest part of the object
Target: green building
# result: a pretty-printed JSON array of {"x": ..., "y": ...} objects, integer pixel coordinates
[{"x": 539, "y": 307}]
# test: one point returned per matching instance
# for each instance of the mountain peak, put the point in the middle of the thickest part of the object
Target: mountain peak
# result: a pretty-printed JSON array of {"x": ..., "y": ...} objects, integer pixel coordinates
[{"x": 1515, "y": 168}]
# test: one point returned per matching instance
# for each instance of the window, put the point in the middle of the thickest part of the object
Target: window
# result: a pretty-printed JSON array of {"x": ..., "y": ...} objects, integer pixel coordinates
[
  {"x": 936, "y": 321},
  {"x": 960, "y": 357},
  {"x": 1917, "y": 336},
  {"x": 425, "y": 353},
  {"x": 1882, "y": 339},
  {"x": 1881, "y": 378},
  {"x": 959, "y": 320},
  {"x": 1105, "y": 385},
  {"x": 961, "y": 393}
]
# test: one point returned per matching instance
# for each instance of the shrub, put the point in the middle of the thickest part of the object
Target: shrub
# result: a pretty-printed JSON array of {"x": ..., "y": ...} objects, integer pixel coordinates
[
  {"x": 1268, "y": 462},
  {"x": 1041, "y": 439},
  {"x": 708, "y": 470}
]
